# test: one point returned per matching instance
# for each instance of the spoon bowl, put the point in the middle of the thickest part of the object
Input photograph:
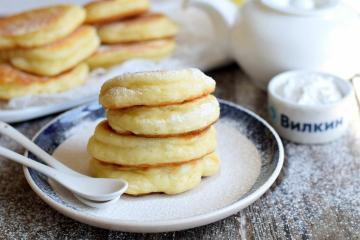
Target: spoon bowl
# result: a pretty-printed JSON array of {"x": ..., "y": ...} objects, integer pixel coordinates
[
  {"x": 93, "y": 189},
  {"x": 18, "y": 137},
  {"x": 96, "y": 204}
]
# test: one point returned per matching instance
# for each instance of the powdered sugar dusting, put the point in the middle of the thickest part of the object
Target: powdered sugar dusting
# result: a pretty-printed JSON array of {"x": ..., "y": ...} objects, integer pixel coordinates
[
  {"x": 240, "y": 168},
  {"x": 310, "y": 88},
  {"x": 167, "y": 76},
  {"x": 88, "y": 126},
  {"x": 319, "y": 184}
]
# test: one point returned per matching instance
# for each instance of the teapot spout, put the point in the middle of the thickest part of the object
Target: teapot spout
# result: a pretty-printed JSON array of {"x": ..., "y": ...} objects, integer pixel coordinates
[{"x": 221, "y": 12}]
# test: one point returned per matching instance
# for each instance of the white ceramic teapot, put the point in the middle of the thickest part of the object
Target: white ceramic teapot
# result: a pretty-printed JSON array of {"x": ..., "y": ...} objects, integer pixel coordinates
[{"x": 271, "y": 36}]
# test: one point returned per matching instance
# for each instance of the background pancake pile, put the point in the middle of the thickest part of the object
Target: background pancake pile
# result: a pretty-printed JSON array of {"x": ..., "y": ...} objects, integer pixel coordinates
[
  {"x": 42, "y": 51},
  {"x": 159, "y": 133},
  {"x": 128, "y": 30},
  {"x": 49, "y": 50}
]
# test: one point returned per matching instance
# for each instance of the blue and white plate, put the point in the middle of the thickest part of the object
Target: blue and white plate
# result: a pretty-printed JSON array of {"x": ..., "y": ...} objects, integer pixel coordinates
[{"x": 250, "y": 150}]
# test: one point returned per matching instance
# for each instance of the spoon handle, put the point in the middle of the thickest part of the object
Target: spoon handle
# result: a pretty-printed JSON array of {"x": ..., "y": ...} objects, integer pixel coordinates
[
  {"x": 94, "y": 189},
  {"x": 48, "y": 171},
  {"x": 18, "y": 137},
  {"x": 67, "y": 180}
]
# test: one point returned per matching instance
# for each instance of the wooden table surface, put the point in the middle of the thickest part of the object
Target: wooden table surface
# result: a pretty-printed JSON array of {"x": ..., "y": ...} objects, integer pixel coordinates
[{"x": 317, "y": 195}]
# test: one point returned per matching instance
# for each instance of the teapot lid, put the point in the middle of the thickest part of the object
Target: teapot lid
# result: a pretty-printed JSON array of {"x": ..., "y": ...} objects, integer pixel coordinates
[{"x": 301, "y": 7}]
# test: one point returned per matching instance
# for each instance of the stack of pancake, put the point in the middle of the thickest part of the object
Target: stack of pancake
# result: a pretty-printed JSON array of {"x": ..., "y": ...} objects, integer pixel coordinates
[
  {"x": 128, "y": 30},
  {"x": 42, "y": 50},
  {"x": 158, "y": 135}
]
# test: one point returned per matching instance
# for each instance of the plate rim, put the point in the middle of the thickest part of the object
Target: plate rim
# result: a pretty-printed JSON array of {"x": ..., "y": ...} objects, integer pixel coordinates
[
  {"x": 33, "y": 112},
  {"x": 168, "y": 225}
]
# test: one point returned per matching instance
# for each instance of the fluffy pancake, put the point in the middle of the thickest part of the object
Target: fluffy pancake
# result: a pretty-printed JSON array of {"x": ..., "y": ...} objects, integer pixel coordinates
[
  {"x": 171, "y": 179},
  {"x": 157, "y": 88},
  {"x": 16, "y": 83},
  {"x": 129, "y": 150},
  {"x": 146, "y": 27},
  {"x": 59, "y": 56},
  {"x": 109, "y": 55},
  {"x": 166, "y": 120},
  {"x": 39, "y": 26},
  {"x": 109, "y": 10},
  {"x": 3, "y": 58}
]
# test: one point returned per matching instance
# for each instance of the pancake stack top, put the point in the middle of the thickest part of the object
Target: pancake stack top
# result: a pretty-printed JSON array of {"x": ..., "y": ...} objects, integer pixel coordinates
[
  {"x": 41, "y": 50},
  {"x": 128, "y": 30},
  {"x": 158, "y": 135}
]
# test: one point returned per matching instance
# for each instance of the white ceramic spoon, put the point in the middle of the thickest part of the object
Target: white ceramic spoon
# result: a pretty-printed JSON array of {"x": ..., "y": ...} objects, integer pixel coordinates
[
  {"x": 18, "y": 137},
  {"x": 93, "y": 189}
]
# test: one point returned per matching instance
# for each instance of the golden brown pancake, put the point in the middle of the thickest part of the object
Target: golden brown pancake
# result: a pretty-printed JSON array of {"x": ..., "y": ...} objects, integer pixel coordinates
[
  {"x": 165, "y": 120},
  {"x": 110, "y": 55},
  {"x": 16, "y": 83},
  {"x": 109, "y": 10},
  {"x": 108, "y": 146},
  {"x": 39, "y": 26},
  {"x": 155, "y": 88},
  {"x": 57, "y": 57},
  {"x": 147, "y": 27},
  {"x": 159, "y": 135},
  {"x": 3, "y": 57},
  {"x": 172, "y": 179}
]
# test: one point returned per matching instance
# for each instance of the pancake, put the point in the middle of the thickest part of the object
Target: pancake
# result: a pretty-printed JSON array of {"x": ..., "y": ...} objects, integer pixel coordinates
[
  {"x": 5, "y": 55},
  {"x": 59, "y": 56},
  {"x": 110, "y": 55},
  {"x": 39, "y": 26},
  {"x": 173, "y": 179},
  {"x": 166, "y": 120},
  {"x": 157, "y": 88},
  {"x": 109, "y": 10},
  {"x": 128, "y": 150},
  {"x": 3, "y": 58},
  {"x": 16, "y": 83},
  {"x": 146, "y": 27}
]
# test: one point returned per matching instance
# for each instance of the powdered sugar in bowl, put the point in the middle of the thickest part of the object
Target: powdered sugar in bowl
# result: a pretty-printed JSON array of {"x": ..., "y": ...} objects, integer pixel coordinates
[{"x": 310, "y": 107}]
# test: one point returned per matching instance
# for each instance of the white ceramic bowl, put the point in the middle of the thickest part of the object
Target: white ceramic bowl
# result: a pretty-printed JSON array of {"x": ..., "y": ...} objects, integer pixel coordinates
[{"x": 310, "y": 124}]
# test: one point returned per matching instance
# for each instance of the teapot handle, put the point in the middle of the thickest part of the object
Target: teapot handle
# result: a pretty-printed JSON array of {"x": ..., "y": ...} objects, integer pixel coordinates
[
  {"x": 355, "y": 82},
  {"x": 222, "y": 14}
]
